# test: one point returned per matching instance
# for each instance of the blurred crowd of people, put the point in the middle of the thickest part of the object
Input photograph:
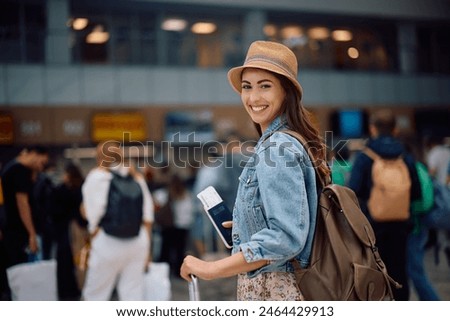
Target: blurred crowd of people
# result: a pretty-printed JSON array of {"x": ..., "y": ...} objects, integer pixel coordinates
[
  {"x": 48, "y": 214},
  {"x": 54, "y": 214},
  {"x": 40, "y": 217},
  {"x": 402, "y": 244}
]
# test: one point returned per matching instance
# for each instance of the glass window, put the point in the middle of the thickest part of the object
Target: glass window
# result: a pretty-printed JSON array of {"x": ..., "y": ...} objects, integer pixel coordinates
[
  {"x": 324, "y": 43},
  {"x": 433, "y": 48},
  {"x": 91, "y": 32},
  {"x": 22, "y": 32},
  {"x": 147, "y": 35},
  {"x": 176, "y": 36},
  {"x": 202, "y": 39},
  {"x": 117, "y": 38},
  {"x": 9, "y": 32},
  {"x": 121, "y": 39},
  {"x": 35, "y": 33},
  {"x": 91, "y": 38}
]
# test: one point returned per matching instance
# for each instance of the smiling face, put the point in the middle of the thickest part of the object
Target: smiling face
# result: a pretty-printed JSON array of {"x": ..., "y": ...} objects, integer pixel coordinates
[{"x": 262, "y": 96}]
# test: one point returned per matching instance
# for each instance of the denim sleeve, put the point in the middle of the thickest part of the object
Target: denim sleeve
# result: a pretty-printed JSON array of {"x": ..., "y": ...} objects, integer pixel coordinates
[{"x": 284, "y": 205}]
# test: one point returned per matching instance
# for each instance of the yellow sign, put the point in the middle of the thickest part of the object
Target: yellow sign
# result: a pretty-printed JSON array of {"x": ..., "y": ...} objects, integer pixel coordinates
[
  {"x": 118, "y": 126},
  {"x": 6, "y": 130}
]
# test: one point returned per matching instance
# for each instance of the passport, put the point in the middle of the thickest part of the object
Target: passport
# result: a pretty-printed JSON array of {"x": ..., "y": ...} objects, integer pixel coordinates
[{"x": 217, "y": 212}]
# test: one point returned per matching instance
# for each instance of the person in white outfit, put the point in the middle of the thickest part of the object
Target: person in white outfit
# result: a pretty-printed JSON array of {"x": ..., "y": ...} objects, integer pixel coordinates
[
  {"x": 114, "y": 262},
  {"x": 438, "y": 159}
]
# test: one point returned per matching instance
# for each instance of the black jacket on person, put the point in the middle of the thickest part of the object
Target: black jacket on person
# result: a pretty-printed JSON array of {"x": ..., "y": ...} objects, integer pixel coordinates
[{"x": 65, "y": 208}]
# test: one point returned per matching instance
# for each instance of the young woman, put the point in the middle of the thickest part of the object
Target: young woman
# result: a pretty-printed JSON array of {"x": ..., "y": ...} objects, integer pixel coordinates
[{"x": 275, "y": 211}]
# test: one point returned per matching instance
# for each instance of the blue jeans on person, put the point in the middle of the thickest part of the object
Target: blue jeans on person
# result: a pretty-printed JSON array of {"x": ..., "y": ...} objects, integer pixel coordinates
[{"x": 415, "y": 265}]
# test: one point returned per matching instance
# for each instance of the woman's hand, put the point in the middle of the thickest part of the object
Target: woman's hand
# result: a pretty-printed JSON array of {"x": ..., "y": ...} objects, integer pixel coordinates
[
  {"x": 194, "y": 266},
  {"x": 223, "y": 268}
]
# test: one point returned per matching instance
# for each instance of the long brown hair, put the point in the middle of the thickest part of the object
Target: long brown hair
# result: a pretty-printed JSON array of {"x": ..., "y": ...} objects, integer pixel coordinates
[{"x": 299, "y": 120}]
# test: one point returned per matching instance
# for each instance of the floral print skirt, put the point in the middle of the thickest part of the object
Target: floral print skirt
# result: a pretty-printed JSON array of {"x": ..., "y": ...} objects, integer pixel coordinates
[{"x": 269, "y": 286}]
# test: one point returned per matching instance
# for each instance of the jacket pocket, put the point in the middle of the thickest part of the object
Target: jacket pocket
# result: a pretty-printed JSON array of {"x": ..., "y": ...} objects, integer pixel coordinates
[{"x": 248, "y": 187}]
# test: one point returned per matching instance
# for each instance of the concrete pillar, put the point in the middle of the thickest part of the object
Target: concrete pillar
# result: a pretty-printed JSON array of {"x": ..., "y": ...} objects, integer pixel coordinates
[
  {"x": 407, "y": 47},
  {"x": 253, "y": 27},
  {"x": 57, "y": 40}
]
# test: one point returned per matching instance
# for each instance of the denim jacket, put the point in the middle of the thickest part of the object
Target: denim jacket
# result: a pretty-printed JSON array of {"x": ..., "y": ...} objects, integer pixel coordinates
[{"x": 274, "y": 216}]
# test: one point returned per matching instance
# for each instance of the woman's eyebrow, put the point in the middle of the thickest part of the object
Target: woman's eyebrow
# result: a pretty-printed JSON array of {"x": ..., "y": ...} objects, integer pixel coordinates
[{"x": 260, "y": 81}]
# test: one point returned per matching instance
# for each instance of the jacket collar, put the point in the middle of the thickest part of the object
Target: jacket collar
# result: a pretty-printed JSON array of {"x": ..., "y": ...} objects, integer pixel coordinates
[{"x": 275, "y": 125}]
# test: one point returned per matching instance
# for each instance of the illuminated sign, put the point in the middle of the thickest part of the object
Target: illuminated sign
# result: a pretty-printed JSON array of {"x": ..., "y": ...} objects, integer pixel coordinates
[
  {"x": 30, "y": 128},
  {"x": 73, "y": 127},
  {"x": 6, "y": 130},
  {"x": 118, "y": 126}
]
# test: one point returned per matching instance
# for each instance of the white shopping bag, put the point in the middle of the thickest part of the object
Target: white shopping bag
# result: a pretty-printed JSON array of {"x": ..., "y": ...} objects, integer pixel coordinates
[
  {"x": 34, "y": 281},
  {"x": 157, "y": 282}
]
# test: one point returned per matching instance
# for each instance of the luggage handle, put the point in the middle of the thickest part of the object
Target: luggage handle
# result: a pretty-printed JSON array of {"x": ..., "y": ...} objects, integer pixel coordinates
[{"x": 194, "y": 294}]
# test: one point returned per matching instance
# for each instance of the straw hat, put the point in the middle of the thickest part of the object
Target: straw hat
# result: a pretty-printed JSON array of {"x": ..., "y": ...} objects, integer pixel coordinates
[{"x": 267, "y": 55}]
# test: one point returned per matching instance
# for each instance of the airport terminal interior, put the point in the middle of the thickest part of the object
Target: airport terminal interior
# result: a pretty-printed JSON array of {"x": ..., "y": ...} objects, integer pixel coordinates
[
  {"x": 76, "y": 72},
  {"x": 153, "y": 74}
]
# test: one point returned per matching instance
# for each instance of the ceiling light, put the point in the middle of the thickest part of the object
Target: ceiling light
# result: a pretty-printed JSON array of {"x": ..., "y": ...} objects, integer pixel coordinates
[
  {"x": 353, "y": 53},
  {"x": 203, "y": 28},
  {"x": 174, "y": 24},
  {"x": 318, "y": 33},
  {"x": 97, "y": 36},
  {"x": 289, "y": 32},
  {"x": 79, "y": 23},
  {"x": 270, "y": 30},
  {"x": 342, "y": 35}
]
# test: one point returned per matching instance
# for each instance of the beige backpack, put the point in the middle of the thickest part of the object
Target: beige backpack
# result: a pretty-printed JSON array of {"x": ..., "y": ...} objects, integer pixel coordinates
[{"x": 390, "y": 195}]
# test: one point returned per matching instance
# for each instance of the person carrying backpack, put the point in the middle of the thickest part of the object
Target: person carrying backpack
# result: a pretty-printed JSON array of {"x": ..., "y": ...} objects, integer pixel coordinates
[
  {"x": 385, "y": 180},
  {"x": 119, "y": 210}
]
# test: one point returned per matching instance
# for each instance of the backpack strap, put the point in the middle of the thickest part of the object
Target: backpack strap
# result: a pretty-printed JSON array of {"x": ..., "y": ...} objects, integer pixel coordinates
[
  {"x": 369, "y": 152},
  {"x": 302, "y": 140}
]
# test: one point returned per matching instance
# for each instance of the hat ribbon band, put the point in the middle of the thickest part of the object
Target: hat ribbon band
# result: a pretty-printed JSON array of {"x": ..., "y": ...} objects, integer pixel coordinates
[{"x": 276, "y": 62}]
